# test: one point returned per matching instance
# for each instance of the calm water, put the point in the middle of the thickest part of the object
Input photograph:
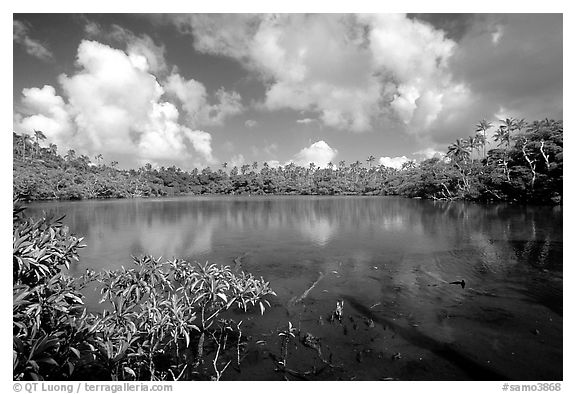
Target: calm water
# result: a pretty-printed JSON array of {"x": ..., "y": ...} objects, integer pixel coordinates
[{"x": 389, "y": 259}]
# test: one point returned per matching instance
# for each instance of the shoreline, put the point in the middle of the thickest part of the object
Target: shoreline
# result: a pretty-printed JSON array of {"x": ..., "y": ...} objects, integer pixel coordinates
[{"x": 184, "y": 195}]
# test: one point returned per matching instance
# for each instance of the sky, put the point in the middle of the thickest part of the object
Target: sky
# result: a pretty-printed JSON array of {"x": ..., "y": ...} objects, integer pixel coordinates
[{"x": 197, "y": 90}]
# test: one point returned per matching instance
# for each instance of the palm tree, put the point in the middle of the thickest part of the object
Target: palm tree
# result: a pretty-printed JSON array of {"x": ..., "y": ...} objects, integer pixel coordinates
[
  {"x": 408, "y": 165},
  {"x": 25, "y": 141},
  {"x": 255, "y": 165},
  {"x": 505, "y": 130},
  {"x": 355, "y": 170},
  {"x": 370, "y": 160},
  {"x": 483, "y": 127},
  {"x": 480, "y": 142},
  {"x": 521, "y": 124},
  {"x": 39, "y": 135},
  {"x": 244, "y": 169},
  {"x": 53, "y": 148},
  {"x": 70, "y": 155},
  {"x": 224, "y": 165},
  {"x": 473, "y": 143},
  {"x": 99, "y": 158},
  {"x": 502, "y": 136},
  {"x": 290, "y": 169},
  {"x": 458, "y": 151}
]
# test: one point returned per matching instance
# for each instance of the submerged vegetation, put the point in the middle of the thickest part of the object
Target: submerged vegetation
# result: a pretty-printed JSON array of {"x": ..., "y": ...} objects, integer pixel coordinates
[
  {"x": 526, "y": 166},
  {"x": 160, "y": 320}
]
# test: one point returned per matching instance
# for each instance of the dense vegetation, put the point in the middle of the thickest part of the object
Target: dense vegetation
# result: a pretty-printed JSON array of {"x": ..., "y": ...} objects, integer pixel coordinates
[
  {"x": 158, "y": 317},
  {"x": 526, "y": 166}
]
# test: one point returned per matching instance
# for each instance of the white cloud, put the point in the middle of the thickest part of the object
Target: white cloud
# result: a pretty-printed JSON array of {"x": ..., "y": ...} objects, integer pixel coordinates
[
  {"x": 48, "y": 113},
  {"x": 273, "y": 163},
  {"x": 250, "y": 123},
  {"x": 237, "y": 161},
  {"x": 194, "y": 98},
  {"x": 348, "y": 69},
  {"x": 429, "y": 153},
  {"x": 497, "y": 34},
  {"x": 163, "y": 136},
  {"x": 504, "y": 113},
  {"x": 226, "y": 34},
  {"x": 271, "y": 149},
  {"x": 92, "y": 29},
  {"x": 113, "y": 106},
  {"x": 416, "y": 56},
  {"x": 305, "y": 121},
  {"x": 393, "y": 162},
  {"x": 33, "y": 47},
  {"x": 141, "y": 49},
  {"x": 319, "y": 153}
]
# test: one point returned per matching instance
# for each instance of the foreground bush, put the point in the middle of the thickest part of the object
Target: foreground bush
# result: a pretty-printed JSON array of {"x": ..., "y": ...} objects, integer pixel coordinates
[{"x": 158, "y": 318}]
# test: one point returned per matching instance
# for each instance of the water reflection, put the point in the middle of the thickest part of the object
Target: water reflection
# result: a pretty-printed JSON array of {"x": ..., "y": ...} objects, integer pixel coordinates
[
  {"x": 395, "y": 255},
  {"x": 465, "y": 239},
  {"x": 318, "y": 229}
]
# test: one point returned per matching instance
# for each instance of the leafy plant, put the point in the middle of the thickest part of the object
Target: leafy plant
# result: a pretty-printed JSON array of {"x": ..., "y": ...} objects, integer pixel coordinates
[{"x": 157, "y": 319}]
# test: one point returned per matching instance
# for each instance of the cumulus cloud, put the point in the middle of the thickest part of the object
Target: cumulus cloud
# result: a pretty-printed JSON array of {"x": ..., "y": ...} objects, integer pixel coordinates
[
  {"x": 33, "y": 47},
  {"x": 162, "y": 136},
  {"x": 146, "y": 55},
  {"x": 142, "y": 49},
  {"x": 349, "y": 69},
  {"x": 222, "y": 34},
  {"x": 113, "y": 106},
  {"x": 47, "y": 112},
  {"x": 393, "y": 162},
  {"x": 508, "y": 60},
  {"x": 319, "y": 153},
  {"x": 194, "y": 98},
  {"x": 429, "y": 153},
  {"x": 273, "y": 163},
  {"x": 92, "y": 29},
  {"x": 416, "y": 55}
]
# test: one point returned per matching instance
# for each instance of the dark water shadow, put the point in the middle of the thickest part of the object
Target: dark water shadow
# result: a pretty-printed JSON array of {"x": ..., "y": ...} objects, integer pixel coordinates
[{"x": 474, "y": 370}]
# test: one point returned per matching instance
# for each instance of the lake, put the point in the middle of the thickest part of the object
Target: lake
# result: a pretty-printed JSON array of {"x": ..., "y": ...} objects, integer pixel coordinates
[{"x": 391, "y": 261}]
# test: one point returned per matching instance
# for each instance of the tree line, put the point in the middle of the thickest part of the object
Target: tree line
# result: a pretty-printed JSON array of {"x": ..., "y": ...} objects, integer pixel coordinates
[{"x": 526, "y": 165}]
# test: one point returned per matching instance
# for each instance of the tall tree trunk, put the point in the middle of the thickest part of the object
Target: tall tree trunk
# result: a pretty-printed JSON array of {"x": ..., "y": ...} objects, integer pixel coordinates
[
  {"x": 200, "y": 350},
  {"x": 531, "y": 163},
  {"x": 484, "y": 144},
  {"x": 546, "y": 157}
]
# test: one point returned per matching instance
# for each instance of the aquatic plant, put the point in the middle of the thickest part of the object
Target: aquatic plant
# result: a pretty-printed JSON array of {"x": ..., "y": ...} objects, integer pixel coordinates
[
  {"x": 167, "y": 304},
  {"x": 156, "y": 320},
  {"x": 46, "y": 303},
  {"x": 286, "y": 336}
]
